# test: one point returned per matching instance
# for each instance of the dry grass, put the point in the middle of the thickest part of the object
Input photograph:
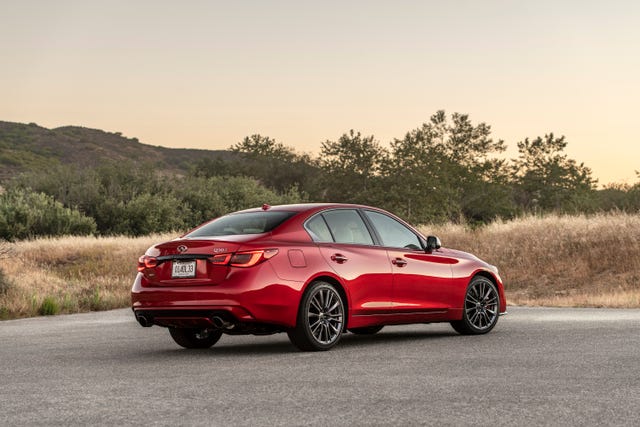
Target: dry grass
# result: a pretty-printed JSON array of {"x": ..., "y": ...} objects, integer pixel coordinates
[
  {"x": 562, "y": 261},
  {"x": 553, "y": 261},
  {"x": 70, "y": 274}
]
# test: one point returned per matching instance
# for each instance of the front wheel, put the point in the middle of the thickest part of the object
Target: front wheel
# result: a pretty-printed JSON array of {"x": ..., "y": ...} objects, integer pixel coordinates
[
  {"x": 320, "y": 318},
  {"x": 481, "y": 308},
  {"x": 195, "y": 338}
]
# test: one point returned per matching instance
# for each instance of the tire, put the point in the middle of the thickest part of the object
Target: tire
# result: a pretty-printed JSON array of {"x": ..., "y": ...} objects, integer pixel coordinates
[
  {"x": 320, "y": 318},
  {"x": 367, "y": 330},
  {"x": 195, "y": 338},
  {"x": 481, "y": 308}
]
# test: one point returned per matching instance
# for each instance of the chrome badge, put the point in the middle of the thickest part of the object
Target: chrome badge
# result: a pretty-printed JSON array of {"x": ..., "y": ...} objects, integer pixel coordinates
[{"x": 182, "y": 249}]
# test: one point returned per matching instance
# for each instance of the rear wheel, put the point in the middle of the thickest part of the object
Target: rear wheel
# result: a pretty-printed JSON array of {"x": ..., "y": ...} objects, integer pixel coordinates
[
  {"x": 195, "y": 338},
  {"x": 367, "y": 330},
  {"x": 320, "y": 318},
  {"x": 481, "y": 308}
]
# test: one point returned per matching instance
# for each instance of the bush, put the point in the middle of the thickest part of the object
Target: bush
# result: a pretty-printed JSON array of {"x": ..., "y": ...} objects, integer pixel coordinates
[
  {"x": 49, "y": 307},
  {"x": 26, "y": 214},
  {"x": 149, "y": 213},
  {"x": 135, "y": 201}
]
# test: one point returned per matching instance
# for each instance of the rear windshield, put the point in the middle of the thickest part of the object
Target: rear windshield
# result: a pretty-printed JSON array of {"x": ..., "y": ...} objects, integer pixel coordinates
[{"x": 242, "y": 223}]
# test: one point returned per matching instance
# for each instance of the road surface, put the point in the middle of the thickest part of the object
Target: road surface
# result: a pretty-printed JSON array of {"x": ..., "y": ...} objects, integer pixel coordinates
[{"x": 539, "y": 366}]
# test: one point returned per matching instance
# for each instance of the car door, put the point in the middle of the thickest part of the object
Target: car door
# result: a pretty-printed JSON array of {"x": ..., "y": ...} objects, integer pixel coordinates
[
  {"x": 348, "y": 247},
  {"x": 421, "y": 282}
]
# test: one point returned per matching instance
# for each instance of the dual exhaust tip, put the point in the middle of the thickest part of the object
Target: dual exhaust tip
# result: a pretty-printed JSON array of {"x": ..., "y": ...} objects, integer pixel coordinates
[{"x": 218, "y": 322}]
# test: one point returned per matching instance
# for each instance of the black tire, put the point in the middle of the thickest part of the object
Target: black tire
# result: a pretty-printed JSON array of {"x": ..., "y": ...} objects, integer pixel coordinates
[
  {"x": 367, "y": 330},
  {"x": 321, "y": 318},
  {"x": 481, "y": 308},
  {"x": 195, "y": 338}
]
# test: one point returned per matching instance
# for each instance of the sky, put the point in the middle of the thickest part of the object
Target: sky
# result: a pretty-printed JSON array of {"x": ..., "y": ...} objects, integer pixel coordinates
[{"x": 205, "y": 74}]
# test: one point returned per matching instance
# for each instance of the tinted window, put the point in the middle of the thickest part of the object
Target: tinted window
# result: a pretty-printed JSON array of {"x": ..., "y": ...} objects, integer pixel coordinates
[
  {"x": 242, "y": 223},
  {"x": 393, "y": 233},
  {"x": 347, "y": 227},
  {"x": 318, "y": 229}
]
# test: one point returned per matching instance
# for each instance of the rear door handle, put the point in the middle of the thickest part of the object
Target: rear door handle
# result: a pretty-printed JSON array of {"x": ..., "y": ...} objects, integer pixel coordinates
[
  {"x": 339, "y": 258},
  {"x": 399, "y": 262}
]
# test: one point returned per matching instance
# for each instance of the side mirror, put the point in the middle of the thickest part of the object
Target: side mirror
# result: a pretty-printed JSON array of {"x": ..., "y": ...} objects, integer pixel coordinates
[{"x": 433, "y": 243}]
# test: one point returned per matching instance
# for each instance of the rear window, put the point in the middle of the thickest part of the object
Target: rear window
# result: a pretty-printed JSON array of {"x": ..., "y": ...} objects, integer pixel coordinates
[{"x": 242, "y": 223}]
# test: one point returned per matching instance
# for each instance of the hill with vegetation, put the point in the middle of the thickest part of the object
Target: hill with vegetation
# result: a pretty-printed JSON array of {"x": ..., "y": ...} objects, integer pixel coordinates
[
  {"x": 28, "y": 147},
  {"x": 77, "y": 181},
  {"x": 540, "y": 216}
]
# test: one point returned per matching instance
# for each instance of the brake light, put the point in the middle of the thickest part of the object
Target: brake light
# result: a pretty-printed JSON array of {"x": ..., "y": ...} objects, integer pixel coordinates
[
  {"x": 146, "y": 261},
  {"x": 251, "y": 258},
  {"x": 222, "y": 259}
]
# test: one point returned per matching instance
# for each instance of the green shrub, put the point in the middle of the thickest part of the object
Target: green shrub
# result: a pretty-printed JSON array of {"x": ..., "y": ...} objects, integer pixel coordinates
[
  {"x": 49, "y": 307},
  {"x": 26, "y": 214}
]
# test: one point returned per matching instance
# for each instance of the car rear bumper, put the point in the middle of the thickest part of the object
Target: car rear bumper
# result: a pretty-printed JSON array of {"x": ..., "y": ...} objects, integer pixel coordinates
[{"x": 253, "y": 295}]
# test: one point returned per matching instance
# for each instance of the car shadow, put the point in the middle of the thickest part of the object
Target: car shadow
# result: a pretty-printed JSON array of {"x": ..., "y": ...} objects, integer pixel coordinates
[
  {"x": 394, "y": 337},
  {"x": 283, "y": 346}
]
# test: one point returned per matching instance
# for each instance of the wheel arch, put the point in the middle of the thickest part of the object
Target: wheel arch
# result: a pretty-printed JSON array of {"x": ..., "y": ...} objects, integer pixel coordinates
[
  {"x": 485, "y": 274},
  {"x": 496, "y": 282}
]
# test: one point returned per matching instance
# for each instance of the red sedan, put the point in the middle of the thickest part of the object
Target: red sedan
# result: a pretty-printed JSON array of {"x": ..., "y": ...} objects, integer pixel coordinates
[{"x": 313, "y": 271}]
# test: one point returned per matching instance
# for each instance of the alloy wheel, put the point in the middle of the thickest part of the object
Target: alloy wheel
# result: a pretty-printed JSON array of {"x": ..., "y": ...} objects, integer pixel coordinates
[
  {"x": 481, "y": 304},
  {"x": 325, "y": 315}
]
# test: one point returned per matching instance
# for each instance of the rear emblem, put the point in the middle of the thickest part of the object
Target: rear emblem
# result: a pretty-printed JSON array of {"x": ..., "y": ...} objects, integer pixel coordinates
[{"x": 182, "y": 249}]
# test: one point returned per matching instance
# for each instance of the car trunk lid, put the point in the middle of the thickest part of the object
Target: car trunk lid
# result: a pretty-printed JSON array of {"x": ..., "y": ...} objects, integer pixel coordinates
[{"x": 187, "y": 262}]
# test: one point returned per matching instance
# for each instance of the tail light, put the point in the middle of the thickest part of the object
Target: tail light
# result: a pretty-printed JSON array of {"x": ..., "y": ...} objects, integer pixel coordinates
[
  {"x": 244, "y": 259},
  {"x": 146, "y": 261},
  {"x": 238, "y": 259}
]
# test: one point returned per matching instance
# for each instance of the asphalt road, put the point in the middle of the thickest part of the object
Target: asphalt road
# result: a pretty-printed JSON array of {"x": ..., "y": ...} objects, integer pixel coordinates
[{"x": 537, "y": 367}]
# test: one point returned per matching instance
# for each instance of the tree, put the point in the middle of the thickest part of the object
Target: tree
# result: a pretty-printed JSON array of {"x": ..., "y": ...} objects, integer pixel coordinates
[
  {"x": 263, "y": 146},
  {"x": 546, "y": 179},
  {"x": 445, "y": 170},
  {"x": 349, "y": 166},
  {"x": 274, "y": 164}
]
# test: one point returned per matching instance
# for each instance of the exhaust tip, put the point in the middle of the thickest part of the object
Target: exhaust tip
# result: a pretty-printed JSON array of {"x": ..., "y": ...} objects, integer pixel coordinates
[
  {"x": 144, "y": 321},
  {"x": 220, "y": 323}
]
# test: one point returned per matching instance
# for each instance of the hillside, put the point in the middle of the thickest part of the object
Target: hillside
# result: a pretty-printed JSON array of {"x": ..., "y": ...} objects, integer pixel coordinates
[{"x": 29, "y": 146}]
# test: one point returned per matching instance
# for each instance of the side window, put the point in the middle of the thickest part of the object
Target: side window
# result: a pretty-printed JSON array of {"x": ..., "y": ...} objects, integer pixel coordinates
[
  {"x": 393, "y": 233},
  {"x": 347, "y": 227},
  {"x": 318, "y": 229}
]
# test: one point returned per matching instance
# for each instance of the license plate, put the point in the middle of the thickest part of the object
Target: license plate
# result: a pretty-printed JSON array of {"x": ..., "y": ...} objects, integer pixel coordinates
[{"x": 182, "y": 269}]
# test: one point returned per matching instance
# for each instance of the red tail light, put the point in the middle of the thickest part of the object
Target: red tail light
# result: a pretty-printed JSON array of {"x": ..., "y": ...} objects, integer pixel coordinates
[
  {"x": 222, "y": 259},
  {"x": 146, "y": 261},
  {"x": 250, "y": 258}
]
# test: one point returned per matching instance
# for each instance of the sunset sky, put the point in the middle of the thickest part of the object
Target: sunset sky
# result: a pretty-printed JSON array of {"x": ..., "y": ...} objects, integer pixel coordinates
[{"x": 204, "y": 74}]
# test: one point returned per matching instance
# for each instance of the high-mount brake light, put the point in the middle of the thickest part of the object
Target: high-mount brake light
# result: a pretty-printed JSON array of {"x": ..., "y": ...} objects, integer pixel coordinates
[
  {"x": 251, "y": 258},
  {"x": 146, "y": 261}
]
